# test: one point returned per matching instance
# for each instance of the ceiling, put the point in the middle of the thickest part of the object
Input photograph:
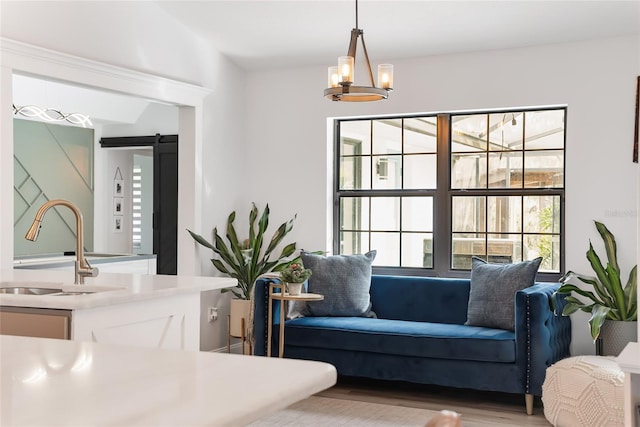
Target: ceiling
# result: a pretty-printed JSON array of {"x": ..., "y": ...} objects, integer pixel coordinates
[{"x": 272, "y": 34}]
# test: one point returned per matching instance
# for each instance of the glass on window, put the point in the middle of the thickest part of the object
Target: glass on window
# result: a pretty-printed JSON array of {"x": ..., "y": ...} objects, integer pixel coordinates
[
  {"x": 387, "y": 246},
  {"x": 544, "y": 130},
  {"x": 546, "y": 246},
  {"x": 420, "y": 134},
  {"x": 541, "y": 214},
  {"x": 354, "y": 213},
  {"x": 469, "y": 133},
  {"x": 464, "y": 246},
  {"x": 505, "y": 169},
  {"x": 504, "y": 248},
  {"x": 385, "y": 213},
  {"x": 355, "y": 173},
  {"x": 469, "y": 171},
  {"x": 468, "y": 214},
  {"x": 417, "y": 250},
  {"x": 504, "y": 214},
  {"x": 419, "y": 171},
  {"x": 505, "y": 131},
  {"x": 355, "y": 137},
  {"x": 354, "y": 242},
  {"x": 387, "y": 136},
  {"x": 544, "y": 169},
  {"x": 417, "y": 214},
  {"x": 387, "y": 172}
]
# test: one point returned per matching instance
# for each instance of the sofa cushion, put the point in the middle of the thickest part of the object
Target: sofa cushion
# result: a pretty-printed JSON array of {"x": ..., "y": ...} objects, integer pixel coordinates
[
  {"x": 344, "y": 280},
  {"x": 403, "y": 338},
  {"x": 492, "y": 292}
]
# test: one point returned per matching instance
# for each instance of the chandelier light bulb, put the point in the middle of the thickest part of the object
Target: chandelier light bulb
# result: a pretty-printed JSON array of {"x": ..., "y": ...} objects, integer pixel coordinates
[
  {"x": 345, "y": 66},
  {"x": 332, "y": 77},
  {"x": 385, "y": 76}
]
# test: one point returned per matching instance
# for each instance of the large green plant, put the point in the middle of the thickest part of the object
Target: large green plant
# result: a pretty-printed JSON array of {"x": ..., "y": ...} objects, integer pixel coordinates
[
  {"x": 245, "y": 261},
  {"x": 609, "y": 299}
]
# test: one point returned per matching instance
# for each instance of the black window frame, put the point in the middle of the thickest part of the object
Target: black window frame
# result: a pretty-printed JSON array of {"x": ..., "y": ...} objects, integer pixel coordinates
[{"x": 443, "y": 194}]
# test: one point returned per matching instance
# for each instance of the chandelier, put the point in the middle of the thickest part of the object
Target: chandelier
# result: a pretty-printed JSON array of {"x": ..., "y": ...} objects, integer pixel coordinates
[{"x": 341, "y": 77}]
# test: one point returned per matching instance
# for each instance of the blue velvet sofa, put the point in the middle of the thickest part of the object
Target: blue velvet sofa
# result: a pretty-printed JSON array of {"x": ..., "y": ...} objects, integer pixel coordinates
[{"x": 419, "y": 336}]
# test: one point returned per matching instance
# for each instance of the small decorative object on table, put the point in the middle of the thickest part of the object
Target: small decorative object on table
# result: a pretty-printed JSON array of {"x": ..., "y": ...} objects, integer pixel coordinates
[{"x": 293, "y": 276}]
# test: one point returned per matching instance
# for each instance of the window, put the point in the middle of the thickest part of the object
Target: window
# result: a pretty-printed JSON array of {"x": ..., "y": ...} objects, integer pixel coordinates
[{"x": 429, "y": 192}]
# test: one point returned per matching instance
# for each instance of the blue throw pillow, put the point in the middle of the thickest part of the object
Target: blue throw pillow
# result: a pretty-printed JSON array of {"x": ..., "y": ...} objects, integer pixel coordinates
[
  {"x": 493, "y": 289},
  {"x": 344, "y": 280}
]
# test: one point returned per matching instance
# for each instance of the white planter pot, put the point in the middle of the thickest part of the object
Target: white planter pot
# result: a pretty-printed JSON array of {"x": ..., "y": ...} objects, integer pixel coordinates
[
  {"x": 615, "y": 335},
  {"x": 240, "y": 309},
  {"x": 294, "y": 288}
]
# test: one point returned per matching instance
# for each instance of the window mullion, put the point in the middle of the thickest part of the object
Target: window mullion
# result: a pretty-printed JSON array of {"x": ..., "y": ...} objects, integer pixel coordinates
[{"x": 442, "y": 201}]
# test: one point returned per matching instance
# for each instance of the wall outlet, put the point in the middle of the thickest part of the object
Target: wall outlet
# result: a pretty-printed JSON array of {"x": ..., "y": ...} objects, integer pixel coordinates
[{"x": 213, "y": 314}]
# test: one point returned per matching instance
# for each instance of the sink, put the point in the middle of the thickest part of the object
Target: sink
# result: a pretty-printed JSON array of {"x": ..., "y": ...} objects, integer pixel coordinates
[
  {"x": 19, "y": 290},
  {"x": 67, "y": 294}
]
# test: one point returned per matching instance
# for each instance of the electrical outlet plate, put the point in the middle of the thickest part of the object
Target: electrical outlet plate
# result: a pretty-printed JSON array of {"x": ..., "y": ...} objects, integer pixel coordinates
[{"x": 213, "y": 314}]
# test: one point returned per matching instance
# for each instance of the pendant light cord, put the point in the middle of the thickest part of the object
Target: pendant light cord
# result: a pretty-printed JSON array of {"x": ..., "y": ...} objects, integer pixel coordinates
[{"x": 357, "y": 14}]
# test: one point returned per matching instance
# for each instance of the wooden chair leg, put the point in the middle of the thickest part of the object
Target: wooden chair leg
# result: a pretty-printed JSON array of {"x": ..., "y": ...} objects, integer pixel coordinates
[
  {"x": 528, "y": 401},
  {"x": 242, "y": 334}
]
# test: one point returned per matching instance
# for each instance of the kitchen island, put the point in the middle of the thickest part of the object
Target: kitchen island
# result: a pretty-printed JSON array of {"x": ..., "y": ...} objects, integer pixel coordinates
[
  {"x": 155, "y": 311},
  {"x": 56, "y": 382}
]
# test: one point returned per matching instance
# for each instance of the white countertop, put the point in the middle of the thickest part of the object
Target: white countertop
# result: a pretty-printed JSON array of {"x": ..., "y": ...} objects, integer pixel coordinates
[
  {"x": 56, "y": 382},
  {"x": 111, "y": 288}
]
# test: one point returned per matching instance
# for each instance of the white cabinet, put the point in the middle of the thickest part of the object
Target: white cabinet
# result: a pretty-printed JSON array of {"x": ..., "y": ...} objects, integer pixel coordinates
[{"x": 169, "y": 323}]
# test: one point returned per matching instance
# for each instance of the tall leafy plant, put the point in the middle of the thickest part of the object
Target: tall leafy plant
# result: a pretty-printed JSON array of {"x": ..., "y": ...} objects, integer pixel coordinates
[
  {"x": 245, "y": 261},
  {"x": 609, "y": 298}
]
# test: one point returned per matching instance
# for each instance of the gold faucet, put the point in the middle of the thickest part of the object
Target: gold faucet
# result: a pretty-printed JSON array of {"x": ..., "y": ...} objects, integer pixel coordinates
[{"x": 82, "y": 266}]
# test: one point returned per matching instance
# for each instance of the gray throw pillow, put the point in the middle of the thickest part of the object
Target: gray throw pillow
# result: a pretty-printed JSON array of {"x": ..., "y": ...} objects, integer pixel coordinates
[
  {"x": 344, "y": 280},
  {"x": 493, "y": 289}
]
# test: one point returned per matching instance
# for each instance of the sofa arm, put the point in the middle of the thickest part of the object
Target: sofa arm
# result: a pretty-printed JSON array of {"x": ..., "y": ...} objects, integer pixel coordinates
[
  {"x": 542, "y": 338},
  {"x": 261, "y": 314}
]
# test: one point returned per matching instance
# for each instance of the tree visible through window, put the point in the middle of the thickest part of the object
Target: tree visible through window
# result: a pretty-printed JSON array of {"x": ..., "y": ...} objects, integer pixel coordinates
[{"x": 430, "y": 192}]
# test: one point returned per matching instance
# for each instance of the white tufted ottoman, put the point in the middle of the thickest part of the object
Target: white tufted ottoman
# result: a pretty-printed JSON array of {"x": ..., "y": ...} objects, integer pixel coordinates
[{"x": 584, "y": 391}]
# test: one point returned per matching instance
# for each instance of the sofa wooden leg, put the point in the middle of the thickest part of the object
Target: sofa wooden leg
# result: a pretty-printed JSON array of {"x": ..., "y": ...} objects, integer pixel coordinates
[{"x": 528, "y": 401}]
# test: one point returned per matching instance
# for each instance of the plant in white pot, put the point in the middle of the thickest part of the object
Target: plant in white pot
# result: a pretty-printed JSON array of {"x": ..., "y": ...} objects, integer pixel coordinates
[
  {"x": 245, "y": 261},
  {"x": 293, "y": 276},
  {"x": 613, "y": 306}
]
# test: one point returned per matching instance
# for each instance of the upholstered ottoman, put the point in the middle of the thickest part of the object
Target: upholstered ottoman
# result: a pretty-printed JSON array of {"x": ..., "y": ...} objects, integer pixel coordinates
[{"x": 584, "y": 391}]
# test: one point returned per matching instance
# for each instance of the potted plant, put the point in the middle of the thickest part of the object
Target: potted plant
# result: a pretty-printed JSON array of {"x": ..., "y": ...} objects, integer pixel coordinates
[
  {"x": 293, "y": 276},
  {"x": 245, "y": 261},
  {"x": 613, "y": 307}
]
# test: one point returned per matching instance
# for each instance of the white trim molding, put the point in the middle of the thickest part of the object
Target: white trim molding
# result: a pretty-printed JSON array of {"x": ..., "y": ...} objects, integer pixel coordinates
[{"x": 21, "y": 58}]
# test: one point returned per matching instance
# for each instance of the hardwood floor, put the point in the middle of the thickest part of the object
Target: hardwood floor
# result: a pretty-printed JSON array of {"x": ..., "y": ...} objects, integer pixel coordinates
[{"x": 478, "y": 408}]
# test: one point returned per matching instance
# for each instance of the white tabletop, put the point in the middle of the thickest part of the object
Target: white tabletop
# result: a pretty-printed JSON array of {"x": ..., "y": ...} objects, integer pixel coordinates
[{"x": 56, "y": 382}]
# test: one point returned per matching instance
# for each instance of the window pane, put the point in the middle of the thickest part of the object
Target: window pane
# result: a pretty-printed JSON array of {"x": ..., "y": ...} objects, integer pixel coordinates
[
  {"x": 385, "y": 213},
  {"x": 387, "y": 136},
  {"x": 505, "y": 131},
  {"x": 388, "y": 247},
  {"x": 354, "y": 243},
  {"x": 354, "y": 213},
  {"x": 468, "y": 214},
  {"x": 505, "y": 213},
  {"x": 466, "y": 245},
  {"x": 355, "y": 137},
  {"x": 420, "y": 135},
  {"x": 544, "y": 169},
  {"x": 505, "y": 169},
  {"x": 469, "y": 133},
  {"x": 387, "y": 172},
  {"x": 417, "y": 250},
  {"x": 545, "y": 245},
  {"x": 504, "y": 248},
  {"x": 544, "y": 129},
  {"x": 355, "y": 173},
  {"x": 468, "y": 171},
  {"x": 417, "y": 214},
  {"x": 542, "y": 214},
  {"x": 420, "y": 171}
]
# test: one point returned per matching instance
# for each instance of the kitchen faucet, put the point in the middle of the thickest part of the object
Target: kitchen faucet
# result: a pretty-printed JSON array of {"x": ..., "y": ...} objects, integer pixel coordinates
[{"x": 82, "y": 266}]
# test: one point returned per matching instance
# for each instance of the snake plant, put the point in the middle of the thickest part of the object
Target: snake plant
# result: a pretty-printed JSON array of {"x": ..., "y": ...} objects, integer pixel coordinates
[
  {"x": 244, "y": 260},
  {"x": 609, "y": 298}
]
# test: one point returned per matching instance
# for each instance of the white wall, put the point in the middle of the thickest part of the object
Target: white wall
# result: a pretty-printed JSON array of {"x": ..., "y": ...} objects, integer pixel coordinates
[
  {"x": 140, "y": 36},
  {"x": 595, "y": 79}
]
